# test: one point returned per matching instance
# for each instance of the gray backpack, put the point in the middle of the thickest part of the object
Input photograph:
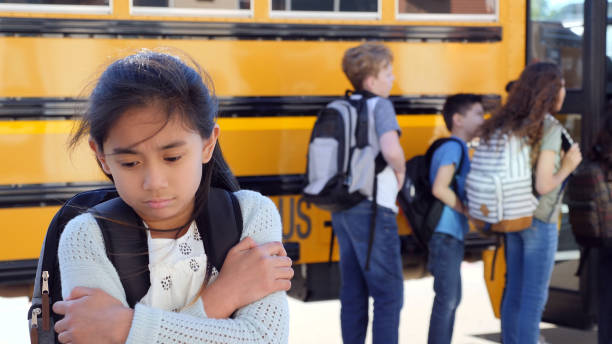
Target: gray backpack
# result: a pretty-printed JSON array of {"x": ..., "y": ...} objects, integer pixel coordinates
[
  {"x": 342, "y": 154},
  {"x": 344, "y": 158}
]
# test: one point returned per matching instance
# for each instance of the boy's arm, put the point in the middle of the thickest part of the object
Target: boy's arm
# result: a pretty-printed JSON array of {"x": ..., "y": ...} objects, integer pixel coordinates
[
  {"x": 388, "y": 132},
  {"x": 441, "y": 188},
  {"x": 393, "y": 154}
]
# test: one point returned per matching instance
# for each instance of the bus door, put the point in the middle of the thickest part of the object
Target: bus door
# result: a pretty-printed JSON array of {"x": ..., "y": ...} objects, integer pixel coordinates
[{"x": 571, "y": 34}]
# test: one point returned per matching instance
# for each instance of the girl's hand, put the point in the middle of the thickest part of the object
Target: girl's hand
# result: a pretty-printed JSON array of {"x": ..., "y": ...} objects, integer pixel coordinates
[
  {"x": 249, "y": 273},
  {"x": 571, "y": 159},
  {"x": 92, "y": 316}
]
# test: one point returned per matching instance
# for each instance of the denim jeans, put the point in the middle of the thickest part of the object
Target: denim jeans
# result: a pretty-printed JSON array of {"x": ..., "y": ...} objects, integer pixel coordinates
[
  {"x": 604, "y": 322},
  {"x": 530, "y": 256},
  {"x": 445, "y": 256},
  {"x": 384, "y": 280}
]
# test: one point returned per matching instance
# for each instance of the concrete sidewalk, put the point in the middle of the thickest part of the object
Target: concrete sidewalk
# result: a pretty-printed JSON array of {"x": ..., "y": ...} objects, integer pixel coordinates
[{"x": 319, "y": 322}]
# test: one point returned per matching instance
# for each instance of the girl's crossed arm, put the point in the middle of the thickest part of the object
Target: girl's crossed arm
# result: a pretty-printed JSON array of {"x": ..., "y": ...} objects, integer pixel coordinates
[{"x": 103, "y": 312}]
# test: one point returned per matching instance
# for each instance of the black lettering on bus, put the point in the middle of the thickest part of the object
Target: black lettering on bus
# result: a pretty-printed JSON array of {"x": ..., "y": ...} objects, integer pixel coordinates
[
  {"x": 282, "y": 216},
  {"x": 304, "y": 218}
]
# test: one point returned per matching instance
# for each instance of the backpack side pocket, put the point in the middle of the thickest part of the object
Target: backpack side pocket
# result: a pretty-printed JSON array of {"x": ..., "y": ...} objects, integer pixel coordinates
[{"x": 325, "y": 166}]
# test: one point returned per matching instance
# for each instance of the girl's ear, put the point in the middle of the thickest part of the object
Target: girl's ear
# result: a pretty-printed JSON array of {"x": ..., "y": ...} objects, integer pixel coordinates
[
  {"x": 99, "y": 155},
  {"x": 209, "y": 145}
]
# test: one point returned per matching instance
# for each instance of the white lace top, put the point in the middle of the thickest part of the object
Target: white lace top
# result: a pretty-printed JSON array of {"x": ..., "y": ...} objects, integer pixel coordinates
[
  {"x": 83, "y": 262},
  {"x": 177, "y": 269}
]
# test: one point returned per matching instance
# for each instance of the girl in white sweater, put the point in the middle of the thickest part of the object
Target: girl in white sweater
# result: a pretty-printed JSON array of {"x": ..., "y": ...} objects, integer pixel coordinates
[{"x": 151, "y": 123}]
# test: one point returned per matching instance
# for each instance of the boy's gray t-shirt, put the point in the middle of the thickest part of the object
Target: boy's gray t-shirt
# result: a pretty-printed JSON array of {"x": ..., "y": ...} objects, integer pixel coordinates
[
  {"x": 550, "y": 204},
  {"x": 384, "y": 117},
  {"x": 384, "y": 121}
]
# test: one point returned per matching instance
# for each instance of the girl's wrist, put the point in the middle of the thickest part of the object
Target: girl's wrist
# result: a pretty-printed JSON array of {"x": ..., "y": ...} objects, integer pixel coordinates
[
  {"x": 218, "y": 302},
  {"x": 564, "y": 172},
  {"x": 125, "y": 317}
]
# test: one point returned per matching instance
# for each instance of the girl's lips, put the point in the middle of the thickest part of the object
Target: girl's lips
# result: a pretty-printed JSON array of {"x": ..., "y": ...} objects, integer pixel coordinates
[{"x": 158, "y": 203}]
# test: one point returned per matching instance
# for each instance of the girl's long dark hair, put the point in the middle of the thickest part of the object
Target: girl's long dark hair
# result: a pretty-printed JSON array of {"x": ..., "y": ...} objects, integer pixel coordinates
[
  {"x": 180, "y": 87},
  {"x": 532, "y": 96}
]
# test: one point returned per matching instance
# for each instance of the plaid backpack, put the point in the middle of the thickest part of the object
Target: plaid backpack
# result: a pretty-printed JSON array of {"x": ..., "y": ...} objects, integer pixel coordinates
[{"x": 590, "y": 205}]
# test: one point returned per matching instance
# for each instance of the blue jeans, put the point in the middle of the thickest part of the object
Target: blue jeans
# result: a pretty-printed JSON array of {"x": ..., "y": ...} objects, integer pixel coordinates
[
  {"x": 445, "y": 256},
  {"x": 530, "y": 256},
  {"x": 604, "y": 322},
  {"x": 384, "y": 280}
]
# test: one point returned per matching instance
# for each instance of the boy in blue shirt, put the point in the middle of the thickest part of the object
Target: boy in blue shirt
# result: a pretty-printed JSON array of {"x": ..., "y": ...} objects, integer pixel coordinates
[{"x": 463, "y": 115}]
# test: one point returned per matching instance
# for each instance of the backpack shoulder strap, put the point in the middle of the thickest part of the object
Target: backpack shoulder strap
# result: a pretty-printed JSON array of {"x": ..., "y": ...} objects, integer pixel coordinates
[
  {"x": 47, "y": 283},
  {"x": 126, "y": 246},
  {"x": 220, "y": 226},
  {"x": 75, "y": 206},
  {"x": 437, "y": 144},
  {"x": 359, "y": 101}
]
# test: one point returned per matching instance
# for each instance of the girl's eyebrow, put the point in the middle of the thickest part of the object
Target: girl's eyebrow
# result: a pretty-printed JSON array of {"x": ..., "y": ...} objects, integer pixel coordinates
[
  {"x": 173, "y": 145},
  {"x": 121, "y": 150}
]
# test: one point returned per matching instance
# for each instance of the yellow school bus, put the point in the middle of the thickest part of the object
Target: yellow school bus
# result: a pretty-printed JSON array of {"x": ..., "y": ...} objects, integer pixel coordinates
[{"x": 275, "y": 64}]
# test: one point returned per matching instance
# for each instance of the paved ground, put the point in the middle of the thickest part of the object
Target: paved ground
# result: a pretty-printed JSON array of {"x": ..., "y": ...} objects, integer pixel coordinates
[
  {"x": 319, "y": 323},
  {"x": 475, "y": 323}
]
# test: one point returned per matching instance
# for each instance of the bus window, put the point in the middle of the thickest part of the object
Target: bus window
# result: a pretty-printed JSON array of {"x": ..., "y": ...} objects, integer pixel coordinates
[
  {"x": 354, "y": 9},
  {"x": 32, "y": 4},
  {"x": 57, "y": 2},
  {"x": 195, "y": 4},
  {"x": 556, "y": 34},
  {"x": 447, "y": 9},
  {"x": 326, "y": 5}
]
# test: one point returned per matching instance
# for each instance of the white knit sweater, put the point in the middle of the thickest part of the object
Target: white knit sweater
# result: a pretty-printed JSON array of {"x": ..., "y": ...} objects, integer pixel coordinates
[{"x": 83, "y": 262}]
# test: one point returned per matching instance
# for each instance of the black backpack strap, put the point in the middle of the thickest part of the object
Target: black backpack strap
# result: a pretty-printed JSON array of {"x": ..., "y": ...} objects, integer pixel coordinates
[
  {"x": 126, "y": 244},
  {"x": 362, "y": 127},
  {"x": 47, "y": 283},
  {"x": 499, "y": 239},
  {"x": 222, "y": 229},
  {"x": 584, "y": 255},
  {"x": 437, "y": 144},
  {"x": 75, "y": 206},
  {"x": 372, "y": 222},
  {"x": 332, "y": 240}
]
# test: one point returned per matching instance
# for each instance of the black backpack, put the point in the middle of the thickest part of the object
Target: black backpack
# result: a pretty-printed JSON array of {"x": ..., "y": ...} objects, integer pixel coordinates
[
  {"x": 590, "y": 205},
  {"x": 223, "y": 232},
  {"x": 343, "y": 160},
  {"x": 421, "y": 208},
  {"x": 589, "y": 199}
]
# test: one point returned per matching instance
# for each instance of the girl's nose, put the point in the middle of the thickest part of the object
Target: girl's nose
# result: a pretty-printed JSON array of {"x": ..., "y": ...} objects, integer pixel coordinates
[{"x": 154, "y": 179}]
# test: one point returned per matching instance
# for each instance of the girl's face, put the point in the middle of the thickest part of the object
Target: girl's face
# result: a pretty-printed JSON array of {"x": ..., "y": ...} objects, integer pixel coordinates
[
  {"x": 156, "y": 168},
  {"x": 561, "y": 96}
]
